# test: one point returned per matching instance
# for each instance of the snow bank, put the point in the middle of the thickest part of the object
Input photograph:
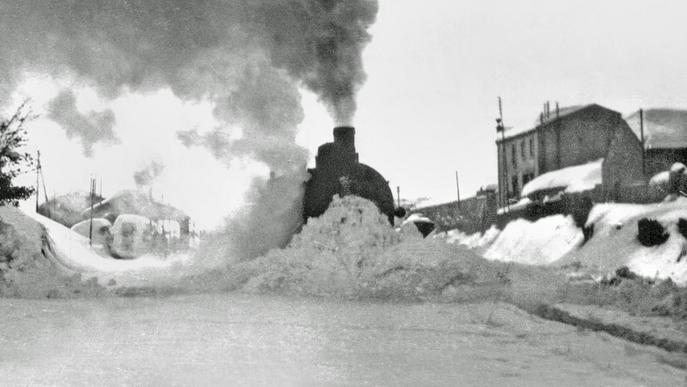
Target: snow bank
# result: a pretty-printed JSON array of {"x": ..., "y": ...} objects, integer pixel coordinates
[
  {"x": 72, "y": 252},
  {"x": 473, "y": 241},
  {"x": 352, "y": 251},
  {"x": 614, "y": 243},
  {"x": 537, "y": 243},
  {"x": 25, "y": 270},
  {"x": 571, "y": 179}
]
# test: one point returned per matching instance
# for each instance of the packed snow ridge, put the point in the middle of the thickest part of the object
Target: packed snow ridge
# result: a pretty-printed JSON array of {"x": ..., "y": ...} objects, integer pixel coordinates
[{"x": 555, "y": 240}]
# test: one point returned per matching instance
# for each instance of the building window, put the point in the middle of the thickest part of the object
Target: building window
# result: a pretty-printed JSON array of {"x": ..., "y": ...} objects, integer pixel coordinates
[
  {"x": 514, "y": 186},
  {"x": 513, "y": 157},
  {"x": 531, "y": 147},
  {"x": 522, "y": 150}
]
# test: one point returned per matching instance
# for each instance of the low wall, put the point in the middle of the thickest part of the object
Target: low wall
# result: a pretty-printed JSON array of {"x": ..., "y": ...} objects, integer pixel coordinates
[{"x": 470, "y": 215}]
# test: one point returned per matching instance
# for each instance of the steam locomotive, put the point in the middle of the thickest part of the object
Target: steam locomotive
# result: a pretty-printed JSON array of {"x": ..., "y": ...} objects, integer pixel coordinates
[{"x": 338, "y": 171}]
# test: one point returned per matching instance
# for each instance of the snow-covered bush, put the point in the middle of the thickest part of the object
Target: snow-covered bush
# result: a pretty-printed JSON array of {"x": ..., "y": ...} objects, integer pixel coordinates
[{"x": 651, "y": 232}]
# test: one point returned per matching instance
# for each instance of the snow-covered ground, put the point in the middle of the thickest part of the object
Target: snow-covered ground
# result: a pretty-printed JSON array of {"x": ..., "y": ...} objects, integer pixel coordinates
[
  {"x": 71, "y": 251},
  {"x": 556, "y": 240},
  {"x": 615, "y": 244},
  {"x": 537, "y": 243},
  {"x": 473, "y": 241},
  {"x": 238, "y": 339}
]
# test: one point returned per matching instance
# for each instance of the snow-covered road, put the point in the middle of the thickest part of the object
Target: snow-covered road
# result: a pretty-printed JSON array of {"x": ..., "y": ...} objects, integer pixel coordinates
[{"x": 235, "y": 339}]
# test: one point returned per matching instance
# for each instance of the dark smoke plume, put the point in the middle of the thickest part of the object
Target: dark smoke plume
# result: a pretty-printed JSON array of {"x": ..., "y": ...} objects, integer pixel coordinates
[
  {"x": 199, "y": 49},
  {"x": 320, "y": 42},
  {"x": 146, "y": 176},
  {"x": 248, "y": 57},
  {"x": 90, "y": 128}
]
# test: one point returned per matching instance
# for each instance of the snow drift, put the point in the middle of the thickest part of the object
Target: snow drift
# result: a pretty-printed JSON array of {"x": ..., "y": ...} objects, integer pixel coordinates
[
  {"x": 536, "y": 243},
  {"x": 615, "y": 243},
  {"x": 43, "y": 257},
  {"x": 26, "y": 269},
  {"x": 556, "y": 240},
  {"x": 350, "y": 251}
]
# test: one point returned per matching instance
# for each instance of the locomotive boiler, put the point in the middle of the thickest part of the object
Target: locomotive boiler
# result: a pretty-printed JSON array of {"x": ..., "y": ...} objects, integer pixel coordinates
[{"x": 338, "y": 171}]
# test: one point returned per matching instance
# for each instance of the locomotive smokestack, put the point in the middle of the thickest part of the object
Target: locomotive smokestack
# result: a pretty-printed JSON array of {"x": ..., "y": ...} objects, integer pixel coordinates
[{"x": 345, "y": 136}]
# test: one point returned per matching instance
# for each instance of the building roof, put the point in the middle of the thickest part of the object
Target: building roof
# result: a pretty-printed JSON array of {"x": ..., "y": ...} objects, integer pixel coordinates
[
  {"x": 139, "y": 203},
  {"x": 663, "y": 128},
  {"x": 562, "y": 112}
]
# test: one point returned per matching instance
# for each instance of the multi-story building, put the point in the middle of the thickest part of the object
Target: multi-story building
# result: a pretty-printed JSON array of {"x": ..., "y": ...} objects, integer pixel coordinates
[{"x": 565, "y": 137}]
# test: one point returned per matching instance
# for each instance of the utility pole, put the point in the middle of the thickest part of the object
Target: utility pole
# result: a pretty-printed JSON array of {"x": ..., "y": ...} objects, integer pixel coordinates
[
  {"x": 90, "y": 226},
  {"x": 641, "y": 132},
  {"x": 457, "y": 190},
  {"x": 398, "y": 195},
  {"x": 38, "y": 174},
  {"x": 501, "y": 128}
]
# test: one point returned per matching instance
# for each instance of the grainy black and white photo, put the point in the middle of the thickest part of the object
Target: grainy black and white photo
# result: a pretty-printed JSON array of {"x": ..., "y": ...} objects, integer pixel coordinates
[{"x": 343, "y": 193}]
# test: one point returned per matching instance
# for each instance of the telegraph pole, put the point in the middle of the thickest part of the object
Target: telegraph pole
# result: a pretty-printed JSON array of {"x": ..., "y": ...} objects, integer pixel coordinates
[
  {"x": 90, "y": 226},
  {"x": 501, "y": 128},
  {"x": 398, "y": 195},
  {"x": 457, "y": 190},
  {"x": 38, "y": 174},
  {"x": 641, "y": 131}
]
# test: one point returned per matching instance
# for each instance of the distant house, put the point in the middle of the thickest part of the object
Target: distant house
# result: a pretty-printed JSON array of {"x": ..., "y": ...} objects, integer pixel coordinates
[
  {"x": 564, "y": 138},
  {"x": 140, "y": 203},
  {"x": 67, "y": 209},
  {"x": 665, "y": 137}
]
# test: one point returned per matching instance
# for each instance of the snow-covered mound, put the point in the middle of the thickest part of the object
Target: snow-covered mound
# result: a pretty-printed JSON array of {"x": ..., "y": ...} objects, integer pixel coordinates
[
  {"x": 557, "y": 241},
  {"x": 537, "y": 243},
  {"x": 72, "y": 254},
  {"x": 473, "y": 241},
  {"x": 25, "y": 268},
  {"x": 614, "y": 243},
  {"x": 571, "y": 179},
  {"x": 352, "y": 251}
]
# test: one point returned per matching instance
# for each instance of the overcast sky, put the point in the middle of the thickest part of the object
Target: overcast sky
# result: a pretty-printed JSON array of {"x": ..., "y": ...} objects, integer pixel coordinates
[{"x": 435, "y": 69}]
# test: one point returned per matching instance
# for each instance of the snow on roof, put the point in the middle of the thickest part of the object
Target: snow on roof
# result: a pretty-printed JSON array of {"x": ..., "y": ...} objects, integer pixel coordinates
[
  {"x": 571, "y": 179},
  {"x": 660, "y": 178},
  {"x": 86, "y": 224},
  {"x": 137, "y": 202},
  {"x": 416, "y": 218},
  {"x": 663, "y": 128},
  {"x": 522, "y": 203},
  {"x": 678, "y": 168}
]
